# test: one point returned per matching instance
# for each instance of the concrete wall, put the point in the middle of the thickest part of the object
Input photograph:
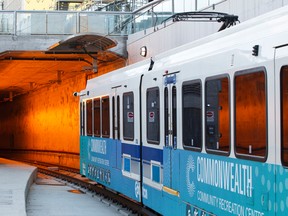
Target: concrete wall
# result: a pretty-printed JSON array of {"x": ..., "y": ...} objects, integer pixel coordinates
[
  {"x": 162, "y": 38},
  {"x": 45, "y": 120}
]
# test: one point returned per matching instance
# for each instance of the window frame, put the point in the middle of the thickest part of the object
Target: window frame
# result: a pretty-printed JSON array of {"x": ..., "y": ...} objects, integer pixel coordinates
[
  {"x": 82, "y": 117},
  {"x": 166, "y": 118},
  {"x": 284, "y": 163},
  {"x": 107, "y": 122},
  {"x": 210, "y": 150},
  {"x": 187, "y": 147},
  {"x": 118, "y": 111},
  {"x": 242, "y": 155},
  {"x": 123, "y": 110},
  {"x": 89, "y": 117},
  {"x": 94, "y": 116},
  {"x": 174, "y": 116},
  {"x": 155, "y": 142}
]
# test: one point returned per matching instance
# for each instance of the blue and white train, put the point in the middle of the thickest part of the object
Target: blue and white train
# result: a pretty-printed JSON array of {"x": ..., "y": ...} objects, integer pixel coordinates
[{"x": 203, "y": 131}]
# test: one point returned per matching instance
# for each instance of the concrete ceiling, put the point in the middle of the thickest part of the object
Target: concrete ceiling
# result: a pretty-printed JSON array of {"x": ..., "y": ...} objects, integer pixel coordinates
[{"x": 25, "y": 71}]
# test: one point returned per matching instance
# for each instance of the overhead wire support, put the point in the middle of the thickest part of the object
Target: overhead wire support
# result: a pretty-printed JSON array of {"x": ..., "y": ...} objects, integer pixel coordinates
[{"x": 205, "y": 16}]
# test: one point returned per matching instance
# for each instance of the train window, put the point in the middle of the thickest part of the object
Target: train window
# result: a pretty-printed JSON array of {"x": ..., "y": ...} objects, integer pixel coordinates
[
  {"x": 81, "y": 118},
  {"x": 166, "y": 116},
  {"x": 84, "y": 120},
  {"x": 97, "y": 117},
  {"x": 89, "y": 117},
  {"x": 192, "y": 114},
  {"x": 113, "y": 117},
  {"x": 153, "y": 115},
  {"x": 105, "y": 117},
  {"x": 250, "y": 114},
  {"x": 118, "y": 117},
  {"x": 284, "y": 115},
  {"x": 128, "y": 116},
  {"x": 174, "y": 116},
  {"x": 217, "y": 115}
]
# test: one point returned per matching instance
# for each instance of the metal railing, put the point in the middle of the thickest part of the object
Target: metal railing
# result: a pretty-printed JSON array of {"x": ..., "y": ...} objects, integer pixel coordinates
[
  {"x": 23, "y": 23},
  {"x": 63, "y": 23}
]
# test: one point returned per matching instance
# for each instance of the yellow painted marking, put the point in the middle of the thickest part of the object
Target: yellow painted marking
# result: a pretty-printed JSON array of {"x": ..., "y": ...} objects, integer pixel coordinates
[{"x": 170, "y": 191}]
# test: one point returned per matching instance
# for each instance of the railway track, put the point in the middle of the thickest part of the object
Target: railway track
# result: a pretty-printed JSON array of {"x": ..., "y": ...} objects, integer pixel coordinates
[{"x": 72, "y": 176}]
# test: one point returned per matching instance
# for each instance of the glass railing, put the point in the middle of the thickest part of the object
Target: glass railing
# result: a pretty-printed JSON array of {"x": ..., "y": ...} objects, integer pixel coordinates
[
  {"x": 101, "y": 22},
  {"x": 59, "y": 23},
  {"x": 149, "y": 19},
  {"x": 73, "y": 22},
  {"x": 106, "y": 23},
  {"x": 62, "y": 23},
  {"x": 7, "y": 24}
]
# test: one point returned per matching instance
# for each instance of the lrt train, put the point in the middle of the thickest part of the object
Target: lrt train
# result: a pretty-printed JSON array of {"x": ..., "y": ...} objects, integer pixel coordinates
[{"x": 202, "y": 131}]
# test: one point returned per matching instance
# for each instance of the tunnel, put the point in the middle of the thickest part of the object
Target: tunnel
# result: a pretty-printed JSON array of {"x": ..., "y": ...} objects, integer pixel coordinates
[{"x": 39, "y": 115}]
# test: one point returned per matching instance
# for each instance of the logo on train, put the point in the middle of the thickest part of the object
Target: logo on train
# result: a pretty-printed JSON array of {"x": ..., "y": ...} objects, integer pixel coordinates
[
  {"x": 190, "y": 169},
  {"x": 137, "y": 189}
]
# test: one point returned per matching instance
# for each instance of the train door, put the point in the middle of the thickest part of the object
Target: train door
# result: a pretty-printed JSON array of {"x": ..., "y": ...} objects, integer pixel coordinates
[
  {"x": 116, "y": 126},
  {"x": 83, "y": 150},
  {"x": 170, "y": 129},
  {"x": 281, "y": 130},
  {"x": 116, "y": 116}
]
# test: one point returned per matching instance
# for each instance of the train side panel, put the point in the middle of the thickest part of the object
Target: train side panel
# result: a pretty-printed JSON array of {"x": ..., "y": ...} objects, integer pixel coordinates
[
  {"x": 102, "y": 162},
  {"x": 223, "y": 186},
  {"x": 112, "y": 160},
  {"x": 281, "y": 101},
  {"x": 210, "y": 128}
]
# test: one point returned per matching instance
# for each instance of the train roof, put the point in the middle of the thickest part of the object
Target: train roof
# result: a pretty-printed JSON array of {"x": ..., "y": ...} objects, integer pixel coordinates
[
  {"x": 118, "y": 75},
  {"x": 262, "y": 26},
  {"x": 259, "y": 27}
]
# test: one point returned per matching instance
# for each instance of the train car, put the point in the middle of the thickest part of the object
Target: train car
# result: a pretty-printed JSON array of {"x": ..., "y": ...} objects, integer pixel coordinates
[{"x": 202, "y": 131}]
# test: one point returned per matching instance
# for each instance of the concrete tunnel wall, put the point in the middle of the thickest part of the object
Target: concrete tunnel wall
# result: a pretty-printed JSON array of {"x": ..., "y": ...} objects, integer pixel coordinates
[{"x": 45, "y": 120}]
